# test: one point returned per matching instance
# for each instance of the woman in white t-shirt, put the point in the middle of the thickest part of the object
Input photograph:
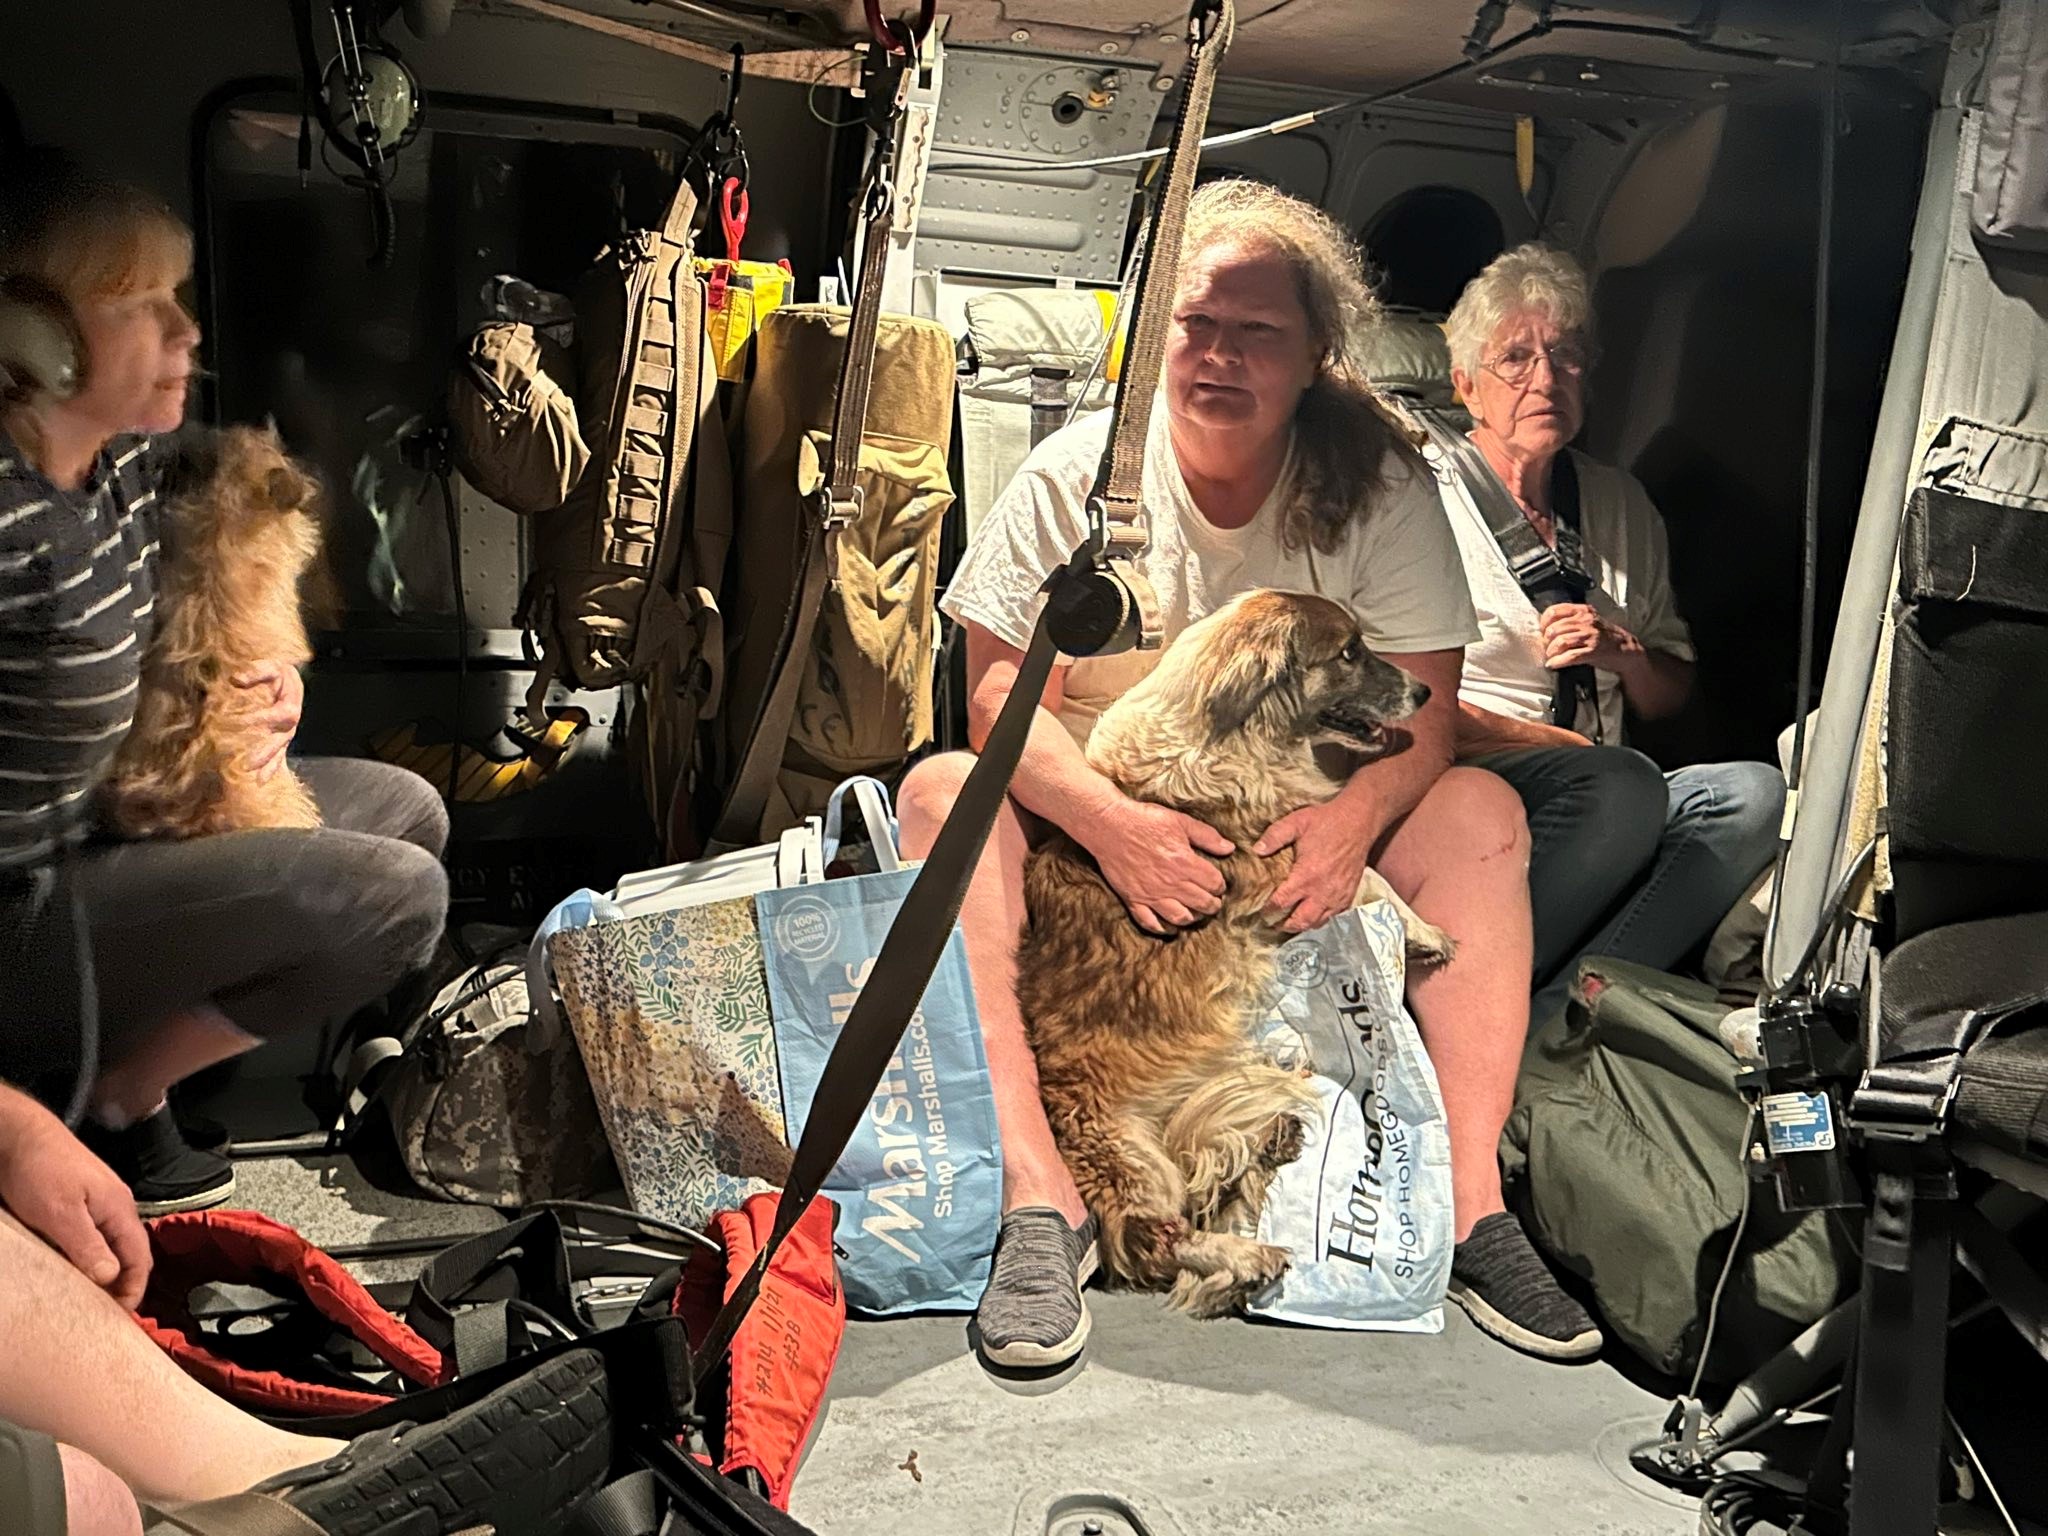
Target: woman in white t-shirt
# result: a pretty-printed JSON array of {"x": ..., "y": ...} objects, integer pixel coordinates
[
  {"x": 1627, "y": 861},
  {"x": 1271, "y": 464}
]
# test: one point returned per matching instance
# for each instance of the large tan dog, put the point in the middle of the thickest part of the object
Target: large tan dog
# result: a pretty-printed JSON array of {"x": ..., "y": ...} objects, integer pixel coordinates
[
  {"x": 237, "y": 543},
  {"x": 1170, "y": 1120}
]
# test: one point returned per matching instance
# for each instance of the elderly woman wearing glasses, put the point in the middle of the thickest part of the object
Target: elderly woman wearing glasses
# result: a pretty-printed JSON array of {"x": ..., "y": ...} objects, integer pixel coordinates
[{"x": 1626, "y": 861}]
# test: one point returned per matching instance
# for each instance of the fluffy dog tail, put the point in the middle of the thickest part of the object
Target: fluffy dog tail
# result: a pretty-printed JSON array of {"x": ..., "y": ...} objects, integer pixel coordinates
[{"x": 1232, "y": 1123}]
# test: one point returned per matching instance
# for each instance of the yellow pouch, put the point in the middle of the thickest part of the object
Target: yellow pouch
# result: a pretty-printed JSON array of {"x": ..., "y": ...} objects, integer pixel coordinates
[{"x": 738, "y": 296}]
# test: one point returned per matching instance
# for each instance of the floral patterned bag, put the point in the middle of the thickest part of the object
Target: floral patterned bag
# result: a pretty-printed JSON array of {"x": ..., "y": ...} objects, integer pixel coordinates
[{"x": 671, "y": 1014}]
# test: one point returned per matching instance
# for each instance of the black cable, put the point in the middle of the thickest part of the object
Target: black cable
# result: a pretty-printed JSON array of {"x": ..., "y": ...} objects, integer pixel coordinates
[
  {"x": 1663, "y": 34},
  {"x": 1831, "y": 912},
  {"x": 454, "y": 522},
  {"x": 1815, "y": 429},
  {"x": 383, "y": 223},
  {"x": 1775, "y": 1419}
]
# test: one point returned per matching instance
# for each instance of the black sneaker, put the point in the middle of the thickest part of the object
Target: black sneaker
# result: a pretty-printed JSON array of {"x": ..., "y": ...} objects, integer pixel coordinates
[
  {"x": 1031, "y": 1317},
  {"x": 202, "y": 1133},
  {"x": 161, "y": 1170},
  {"x": 1501, "y": 1281}
]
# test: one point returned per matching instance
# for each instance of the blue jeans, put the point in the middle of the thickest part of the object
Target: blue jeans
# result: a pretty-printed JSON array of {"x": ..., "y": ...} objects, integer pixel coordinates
[{"x": 1630, "y": 862}]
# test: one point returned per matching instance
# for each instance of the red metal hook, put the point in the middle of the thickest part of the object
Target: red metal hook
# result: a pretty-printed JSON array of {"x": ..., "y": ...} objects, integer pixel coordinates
[
  {"x": 734, "y": 219},
  {"x": 901, "y": 37}
]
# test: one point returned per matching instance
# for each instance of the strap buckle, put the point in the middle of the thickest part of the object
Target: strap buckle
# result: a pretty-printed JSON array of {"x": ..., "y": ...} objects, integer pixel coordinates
[
  {"x": 836, "y": 514},
  {"x": 839, "y": 511},
  {"x": 1123, "y": 528},
  {"x": 1906, "y": 1101}
]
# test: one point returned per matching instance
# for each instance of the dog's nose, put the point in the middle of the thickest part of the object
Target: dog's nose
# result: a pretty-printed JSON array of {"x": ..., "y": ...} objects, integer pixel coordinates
[{"x": 1418, "y": 694}]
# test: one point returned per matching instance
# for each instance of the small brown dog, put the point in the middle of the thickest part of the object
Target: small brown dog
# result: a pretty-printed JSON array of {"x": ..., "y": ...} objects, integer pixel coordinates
[
  {"x": 1171, "y": 1121},
  {"x": 237, "y": 542}
]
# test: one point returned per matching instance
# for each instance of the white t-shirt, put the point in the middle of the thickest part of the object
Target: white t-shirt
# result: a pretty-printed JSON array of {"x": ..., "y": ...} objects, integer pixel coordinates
[
  {"x": 1629, "y": 558},
  {"x": 1397, "y": 568}
]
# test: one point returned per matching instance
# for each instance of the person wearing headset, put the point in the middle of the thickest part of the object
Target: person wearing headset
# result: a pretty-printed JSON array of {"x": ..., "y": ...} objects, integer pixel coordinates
[{"x": 140, "y": 963}]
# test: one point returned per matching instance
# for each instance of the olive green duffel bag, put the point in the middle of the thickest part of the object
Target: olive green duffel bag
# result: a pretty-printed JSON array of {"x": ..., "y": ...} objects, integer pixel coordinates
[{"x": 1625, "y": 1156}]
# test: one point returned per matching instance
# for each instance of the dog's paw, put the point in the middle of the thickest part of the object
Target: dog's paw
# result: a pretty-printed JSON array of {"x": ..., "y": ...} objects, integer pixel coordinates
[
  {"x": 1230, "y": 1272},
  {"x": 1429, "y": 944},
  {"x": 1268, "y": 1264}
]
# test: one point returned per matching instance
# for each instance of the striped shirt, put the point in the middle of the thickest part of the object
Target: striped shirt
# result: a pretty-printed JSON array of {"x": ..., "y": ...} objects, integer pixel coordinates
[{"x": 77, "y": 593}]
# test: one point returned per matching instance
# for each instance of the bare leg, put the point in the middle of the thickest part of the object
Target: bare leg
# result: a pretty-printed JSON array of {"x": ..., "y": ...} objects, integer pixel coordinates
[
  {"x": 187, "y": 1042},
  {"x": 1461, "y": 859},
  {"x": 990, "y": 921},
  {"x": 96, "y": 1503},
  {"x": 77, "y": 1369}
]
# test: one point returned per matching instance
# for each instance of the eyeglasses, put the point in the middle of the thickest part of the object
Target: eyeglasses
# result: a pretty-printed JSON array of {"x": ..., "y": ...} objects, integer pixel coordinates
[{"x": 1517, "y": 364}]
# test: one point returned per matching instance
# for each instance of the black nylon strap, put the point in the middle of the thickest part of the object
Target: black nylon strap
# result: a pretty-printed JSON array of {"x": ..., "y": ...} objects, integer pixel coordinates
[
  {"x": 704, "y": 1503},
  {"x": 1568, "y": 584},
  {"x": 481, "y": 1337},
  {"x": 1547, "y": 576},
  {"x": 525, "y": 1259},
  {"x": 2008, "y": 1279},
  {"x": 1895, "y": 1482},
  {"x": 648, "y": 1366},
  {"x": 630, "y": 1506}
]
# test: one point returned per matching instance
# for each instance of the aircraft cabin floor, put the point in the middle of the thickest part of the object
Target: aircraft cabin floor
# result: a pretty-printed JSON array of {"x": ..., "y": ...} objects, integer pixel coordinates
[{"x": 1202, "y": 1428}]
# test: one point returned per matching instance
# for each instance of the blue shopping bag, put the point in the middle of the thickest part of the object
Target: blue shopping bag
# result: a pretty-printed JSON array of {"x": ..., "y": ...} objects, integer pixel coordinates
[{"x": 919, "y": 1188}]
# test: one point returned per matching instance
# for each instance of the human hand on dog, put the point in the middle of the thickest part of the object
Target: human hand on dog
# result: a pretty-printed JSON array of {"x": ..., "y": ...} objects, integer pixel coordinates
[
  {"x": 1153, "y": 857},
  {"x": 1331, "y": 844},
  {"x": 273, "y": 695},
  {"x": 1575, "y": 634},
  {"x": 57, "y": 1189}
]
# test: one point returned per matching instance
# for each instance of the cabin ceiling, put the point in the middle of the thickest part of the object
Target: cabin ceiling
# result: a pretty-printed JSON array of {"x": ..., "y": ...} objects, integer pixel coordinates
[{"x": 1620, "y": 57}]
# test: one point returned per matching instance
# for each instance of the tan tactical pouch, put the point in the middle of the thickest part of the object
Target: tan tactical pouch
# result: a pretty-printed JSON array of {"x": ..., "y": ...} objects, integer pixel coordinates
[
  {"x": 864, "y": 697},
  {"x": 513, "y": 423}
]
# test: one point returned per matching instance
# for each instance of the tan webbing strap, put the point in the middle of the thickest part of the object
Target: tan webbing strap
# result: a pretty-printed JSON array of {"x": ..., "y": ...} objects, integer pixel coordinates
[
  {"x": 238, "y": 1514},
  {"x": 1117, "y": 501},
  {"x": 857, "y": 367},
  {"x": 832, "y": 507}
]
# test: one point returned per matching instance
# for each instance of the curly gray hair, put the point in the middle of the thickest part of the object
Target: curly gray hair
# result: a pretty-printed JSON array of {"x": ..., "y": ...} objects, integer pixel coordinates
[{"x": 1529, "y": 277}]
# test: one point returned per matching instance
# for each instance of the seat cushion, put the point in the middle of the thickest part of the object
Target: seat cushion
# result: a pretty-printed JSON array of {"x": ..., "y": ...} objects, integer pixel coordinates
[
  {"x": 1979, "y": 971},
  {"x": 2003, "y": 1096},
  {"x": 1981, "y": 987}
]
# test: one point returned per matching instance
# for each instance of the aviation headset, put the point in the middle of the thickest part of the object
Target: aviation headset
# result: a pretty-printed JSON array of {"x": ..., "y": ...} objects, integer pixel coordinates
[
  {"x": 42, "y": 351},
  {"x": 42, "y": 354}
]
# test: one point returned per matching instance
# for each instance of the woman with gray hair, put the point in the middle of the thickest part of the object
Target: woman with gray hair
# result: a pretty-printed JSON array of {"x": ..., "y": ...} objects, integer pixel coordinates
[{"x": 1626, "y": 861}]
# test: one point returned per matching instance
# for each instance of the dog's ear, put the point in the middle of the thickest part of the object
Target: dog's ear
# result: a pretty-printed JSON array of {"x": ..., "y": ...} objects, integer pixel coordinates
[{"x": 1258, "y": 661}]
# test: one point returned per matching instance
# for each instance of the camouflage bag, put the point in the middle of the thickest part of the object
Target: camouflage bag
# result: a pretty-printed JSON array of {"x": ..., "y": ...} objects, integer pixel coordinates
[{"x": 488, "y": 1104}]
